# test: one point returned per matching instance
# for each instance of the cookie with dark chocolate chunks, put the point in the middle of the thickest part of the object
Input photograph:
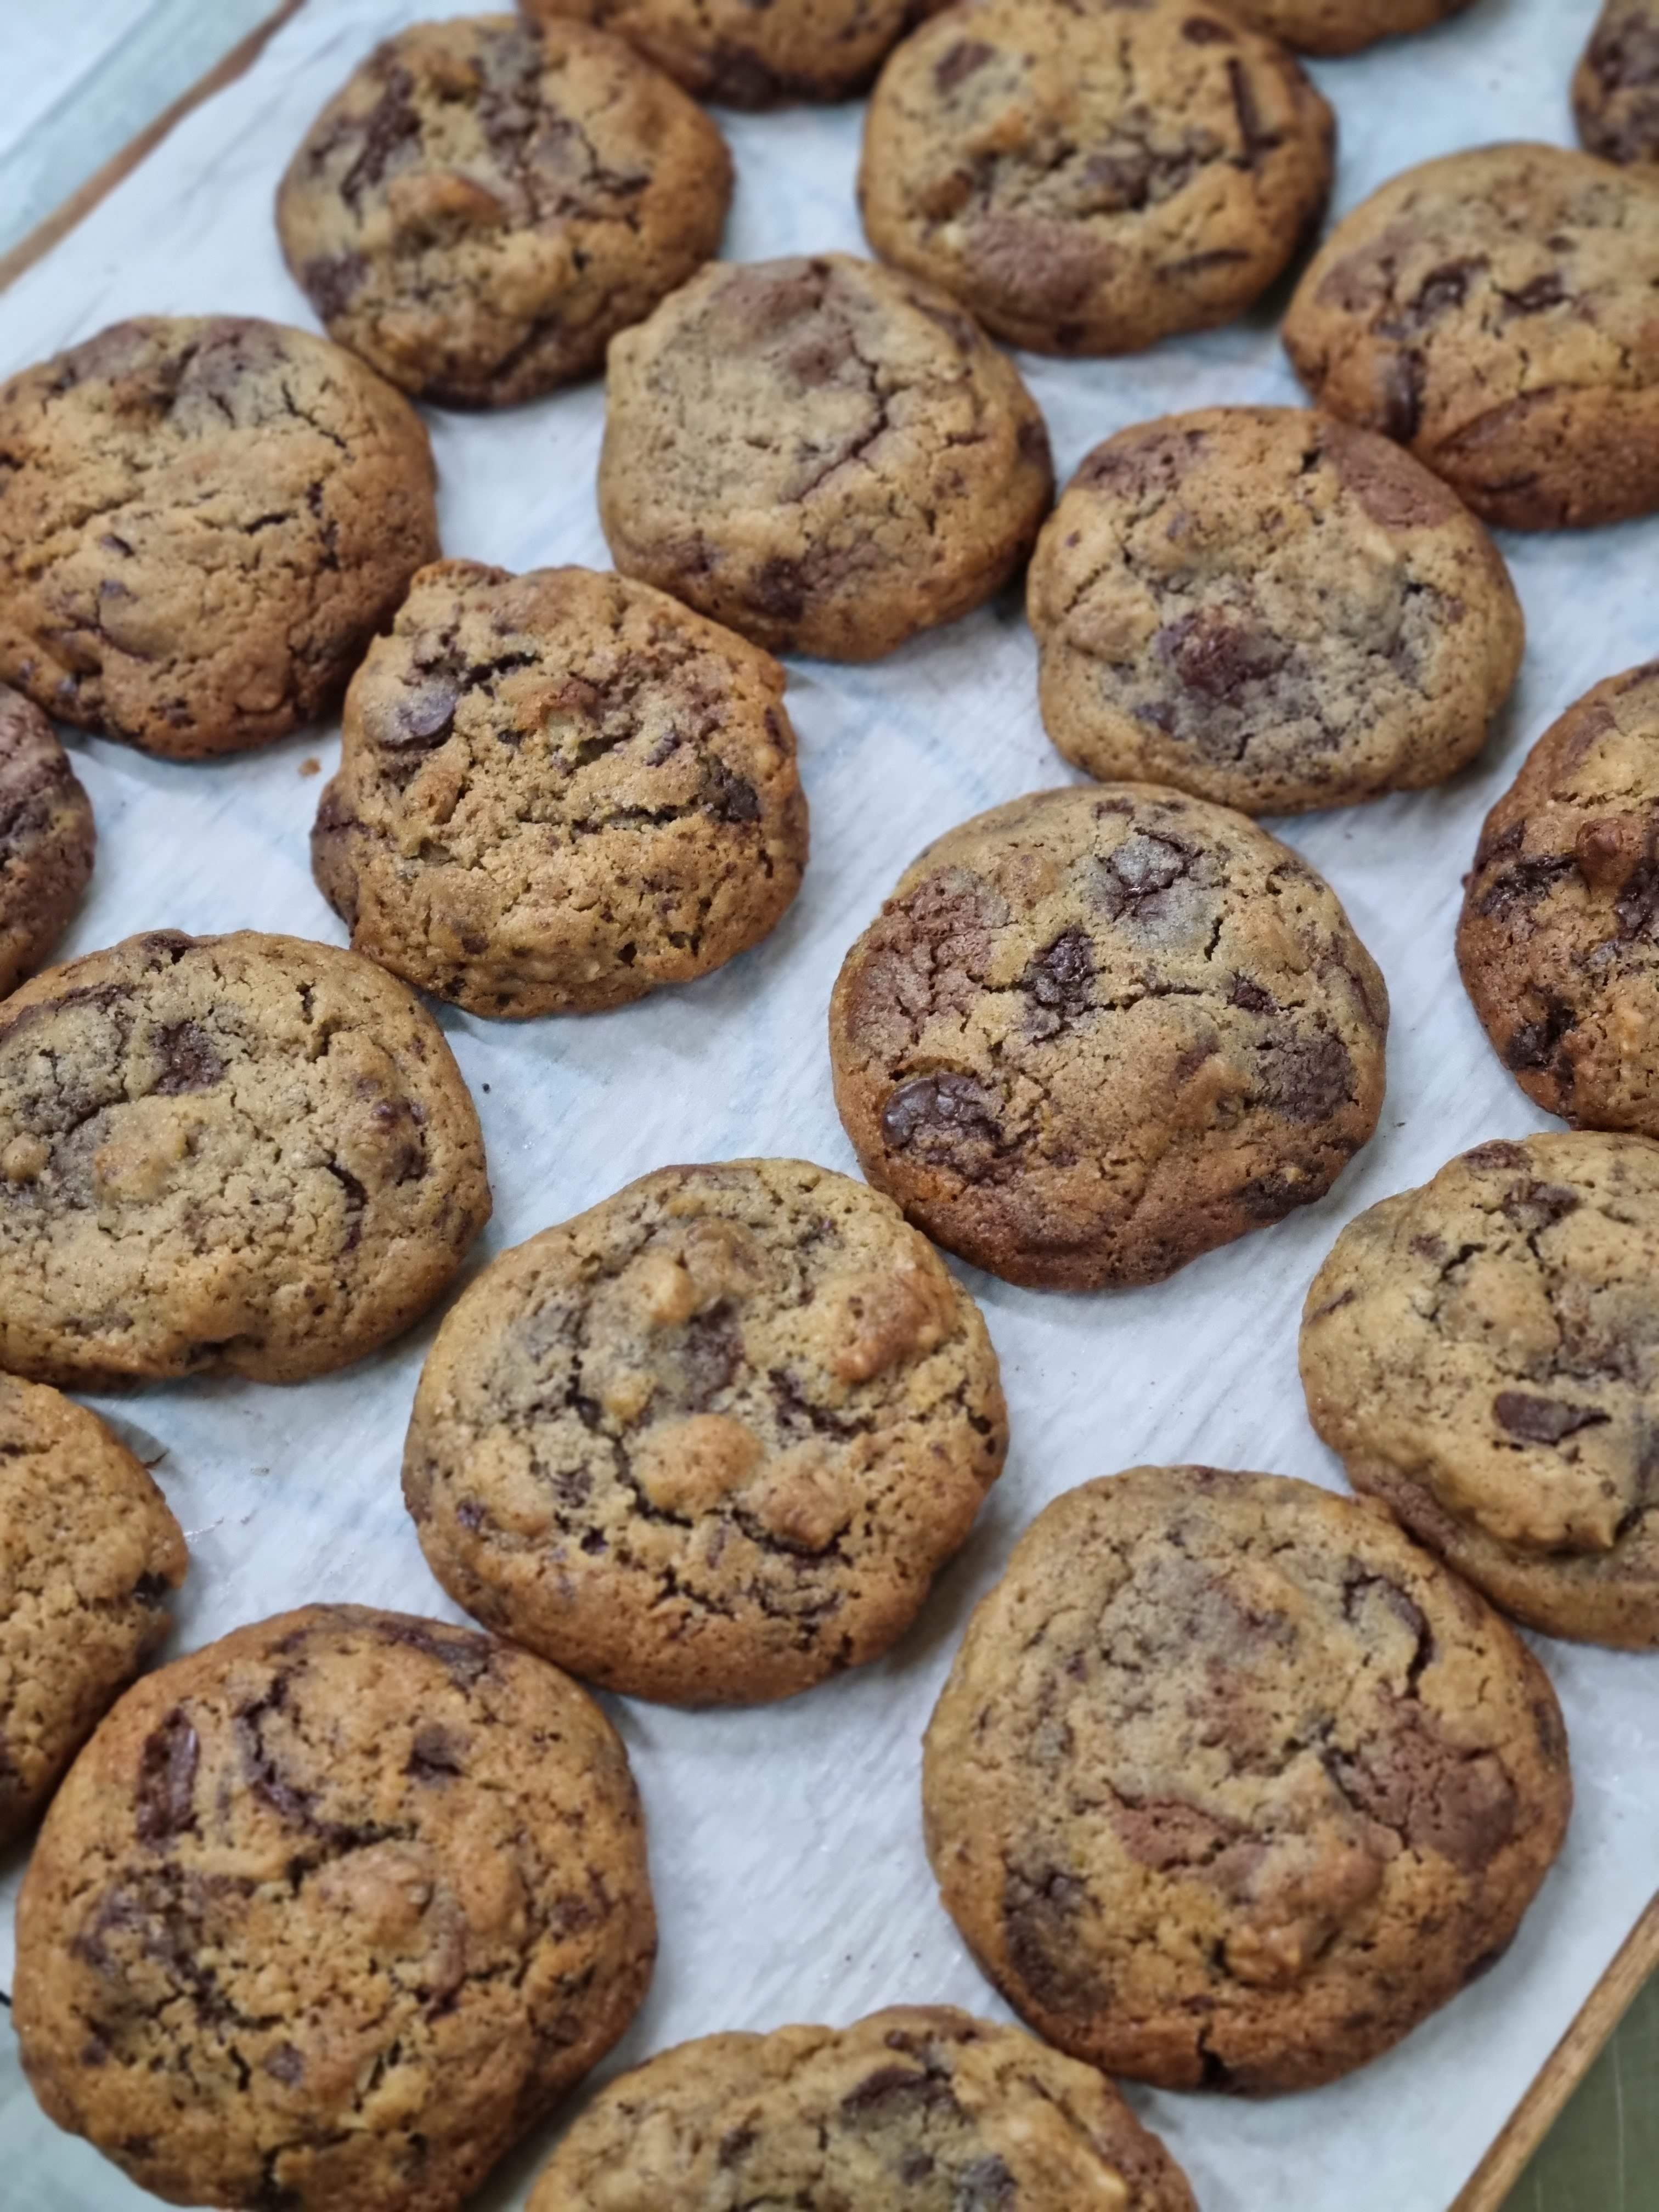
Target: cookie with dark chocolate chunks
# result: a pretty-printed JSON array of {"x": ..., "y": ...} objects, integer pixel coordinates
[
  {"x": 47, "y": 839},
  {"x": 1341, "y": 27},
  {"x": 742, "y": 55},
  {"x": 1616, "y": 88}
]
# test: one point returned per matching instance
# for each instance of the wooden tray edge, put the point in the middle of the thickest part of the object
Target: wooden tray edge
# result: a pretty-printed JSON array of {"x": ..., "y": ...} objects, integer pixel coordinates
[{"x": 1638, "y": 1957}]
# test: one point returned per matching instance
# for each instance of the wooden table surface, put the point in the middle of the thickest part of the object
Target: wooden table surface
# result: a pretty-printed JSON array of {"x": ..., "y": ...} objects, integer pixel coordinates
[{"x": 85, "y": 78}]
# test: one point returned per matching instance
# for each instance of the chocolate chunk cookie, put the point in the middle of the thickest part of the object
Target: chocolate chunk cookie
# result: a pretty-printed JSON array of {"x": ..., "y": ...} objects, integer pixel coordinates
[
  {"x": 1492, "y": 311},
  {"x": 559, "y": 791},
  {"x": 1231, "y": 1784},
  {"x": 1615, "y": 88},
  {"x": 205, "y": 521},
  {"x": 246, "y": 1151},
  {"x": 1341, "y": 27},
  {"x": 711, "y": 1441},
  {"x": 824, "y": 454},
  {"x": 1091, "y": 175},
  {"x": 89, "y": 1555},
  {"x": 330, "y": 1913},
  {"x": 1096, "y": 1032},
  {"x": 1269, "y": 608},
  {"x": 1484, "y": 1352},
  {"x": 745, "y": 56},
  {"x": 1558, "y": 942},
  {"x": 914, "y": 2108},
  {"x": 47, "y": 839},
  {"x": 483, "y": 206}
]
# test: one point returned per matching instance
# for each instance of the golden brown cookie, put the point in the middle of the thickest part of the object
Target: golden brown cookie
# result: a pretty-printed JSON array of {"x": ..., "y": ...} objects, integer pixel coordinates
[
  {"x": 1492, "y": 311},
  {"x": 1098, "y": 1031},
  {"x": 745, "y": 56},
  {"x": 483, "y": 206},
  {"x": 247, "y": 1151},
  {"x": 330, "y": 1913},
  {"x": 1269, "y": 608},
  {"x": 205, "y": 521},
  {"x": 1616, "y": 88},
  {"x": 1557, "y": 943},
  {"x": 711, "y": 1441},
  {"x": 823, "y": 454},
  {"x": 89, "y": 1555},
  {"x": 1232, "y": 1784},
  {"x": 1088, "y": 176},
  {"x": 47, "y": 839},
  {"x": 559, "y": 791},
  {"x": 1484, "y": 1352},
  {"x": 916, "y": 2108},
  {"x": 1341, "y": 27}
]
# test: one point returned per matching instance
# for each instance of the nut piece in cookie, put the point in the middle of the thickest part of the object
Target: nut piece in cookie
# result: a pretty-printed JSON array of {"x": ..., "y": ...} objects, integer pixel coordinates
[
  {"x": 1340, "y": 26},
  {"x": 745, "y": 56},
  {"x": 1232, "y": 1784},
  {"x": 1269, "y": 608},
  {"x": 89, "y": 1557},
  {"x": 330, "y": 1913},
  {"x": 483, "y": 206},
  {"x": 824, "y": 454},
  {"x": 1484, "y": 1353},
  {"x": 1088, "y": 178},
  {"x": 1556, "y": 941},
  {"x": 919, "y": 2105},
  {"x": 247, "y": 1152},
  {"x": 559, "y": 791},
  {"x": 1492, "y": 313},
  {"x": 1098, "y": 1032},
  {"x": 1616, "y": 88},
  {"x": 711, "y": 1441},
  {"x": 47, "y": 839}
]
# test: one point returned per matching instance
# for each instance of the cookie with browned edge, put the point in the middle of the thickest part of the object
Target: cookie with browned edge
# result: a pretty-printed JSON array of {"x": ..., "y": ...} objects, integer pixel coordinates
[
  {"x": 1341, "y": 27},
  {"x": 1098, "y": 1032},
  {"x": 47, "y": 839},
  {"x": 330, "y": 1913},
  {"x": 1616, "y": 88},
  {"x": 744, "y": 55},
  {"x": 1232, "y": 1784}
]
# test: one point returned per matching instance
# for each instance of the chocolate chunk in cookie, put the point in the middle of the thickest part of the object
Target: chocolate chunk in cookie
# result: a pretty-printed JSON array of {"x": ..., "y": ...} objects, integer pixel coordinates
[
  {"x": 1484, "y": 1352},
  {"x": 47, "y": 839},
  {"x": 1558, "y": 942},
  {"x": 1271, "y": 608},
  {"x": 332, "y": 1912},
  {"x": 1340, "y": 26},
  {"x": 1231, "y": 1784},
  {"x": 1492, "y": 311},
  {"x": 1615, "y": 88},
  {"x": 246, "y": 1151},
  {"x": 89, "y": 1557},
  {"x": 559, "y": 791},
  {"x": 1096, "y": 1032},
  {"x": 747, "y": 55},
  {"x": 823, "y": 454},
  {"x": 1088, "y": 175},
  {"x": 484, "y": 206},
  {"x": 711, "y": 1441},
  {"x": 919, "y": 2106},
  {"x": 205, "y": 521}
]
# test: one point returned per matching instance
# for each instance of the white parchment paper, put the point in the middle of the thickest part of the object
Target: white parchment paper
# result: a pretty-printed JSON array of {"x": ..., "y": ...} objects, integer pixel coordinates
[{"x": 787, "y": 1845}]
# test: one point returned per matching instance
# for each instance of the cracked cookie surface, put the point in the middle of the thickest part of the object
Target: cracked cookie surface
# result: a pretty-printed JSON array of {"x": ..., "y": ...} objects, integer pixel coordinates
[
  {"x": 744, "y": 55},
  {"x": 481, "y": 207},
  {"x": 920, "y": 2108},
  {"x": 1491, "y": 312},
  {"x": 1616, "y": 88},
  {"x": 1089, "y": 176},
  {"x": 711, "y": 1441},
  {"x": 89, "y": 1555},
  {"x": 248, "y": 1152},
  {"x": 1559, "y": 941},
  {"x": 559, "y": 791},
  {"x": 1341, "y": 27},
  {"x": 824, "y": 454},
  {"x": 1096, "y": 1032},
  {"x": 1232, "y": 1784},
  {"x": 1269, "y": 608},
  {"x": 1484, "y": 1353},
  {"x": 330, "y": 1913},
  {"x": 47, "y": 839},
  {"x": 205, "y": 520}
]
